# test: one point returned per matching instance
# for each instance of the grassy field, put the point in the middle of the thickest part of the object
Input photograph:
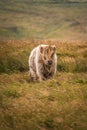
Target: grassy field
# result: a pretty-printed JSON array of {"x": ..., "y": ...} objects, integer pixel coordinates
[
  {"x": 24, "y": 19},
  {"x": 57, "y": 104}
]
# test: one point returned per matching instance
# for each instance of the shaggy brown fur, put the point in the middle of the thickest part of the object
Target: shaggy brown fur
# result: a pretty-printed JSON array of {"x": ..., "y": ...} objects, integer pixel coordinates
[{"x": 43, "y": 62}]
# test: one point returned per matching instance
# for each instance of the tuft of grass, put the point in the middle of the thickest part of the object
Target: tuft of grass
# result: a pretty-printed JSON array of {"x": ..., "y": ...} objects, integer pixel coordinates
[
  {"x": 81, "y": 65},
  {"x": 49, "y": 122},
  {"x": 81, "y": 81},
  {"x": 12, "y": 93},
  {"x": 9, "y": 121}
]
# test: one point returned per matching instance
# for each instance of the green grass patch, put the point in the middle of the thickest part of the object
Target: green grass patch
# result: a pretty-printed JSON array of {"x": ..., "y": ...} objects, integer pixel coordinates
[{"x": 12, "y": 93}]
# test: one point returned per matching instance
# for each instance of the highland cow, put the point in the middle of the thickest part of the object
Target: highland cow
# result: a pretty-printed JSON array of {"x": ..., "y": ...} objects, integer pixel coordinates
[{"x": 43, "y": 62}]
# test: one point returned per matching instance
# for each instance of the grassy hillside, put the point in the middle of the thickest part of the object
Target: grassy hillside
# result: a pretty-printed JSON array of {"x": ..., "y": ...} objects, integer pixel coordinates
[
  {"x": 14, "y": 55},
  {"x": 57, "y": 104},
  {"x": 55, "y": 19}
]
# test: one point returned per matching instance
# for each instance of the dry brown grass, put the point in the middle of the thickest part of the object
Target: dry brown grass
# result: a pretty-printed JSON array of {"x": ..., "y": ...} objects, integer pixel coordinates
[
  {"x": 14, "y": 53},
  {"x": 57, "y": 104}
]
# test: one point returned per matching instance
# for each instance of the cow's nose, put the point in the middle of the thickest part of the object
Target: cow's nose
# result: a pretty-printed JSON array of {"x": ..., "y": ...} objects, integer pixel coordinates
[{"x": 49, "y": 62}]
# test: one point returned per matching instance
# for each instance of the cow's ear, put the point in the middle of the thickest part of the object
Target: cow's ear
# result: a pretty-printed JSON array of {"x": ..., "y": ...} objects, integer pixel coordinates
[
  {"x": 41, "y": 49},
  {"x": 53, "y": 47}
]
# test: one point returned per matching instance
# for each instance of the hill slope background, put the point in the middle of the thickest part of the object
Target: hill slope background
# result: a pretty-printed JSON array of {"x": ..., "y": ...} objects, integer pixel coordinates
[{"x": 55, "y": 19}]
